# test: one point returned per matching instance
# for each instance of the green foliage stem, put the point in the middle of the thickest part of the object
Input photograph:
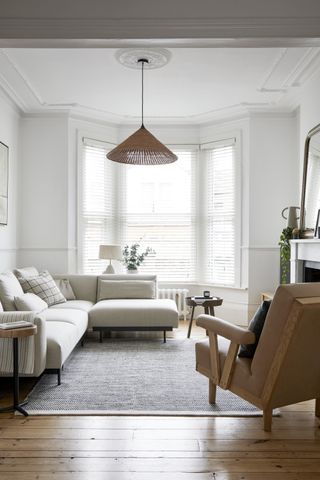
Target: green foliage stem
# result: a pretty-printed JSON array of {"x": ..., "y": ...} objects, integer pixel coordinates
[
  {"x": 132, "y": 258},
  {"x": 284, "y": 244}
]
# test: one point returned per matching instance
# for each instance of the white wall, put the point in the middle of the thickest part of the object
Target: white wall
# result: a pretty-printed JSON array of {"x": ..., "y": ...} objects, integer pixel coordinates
[
  {"x": 273, "y": 185},
  {"x": 43, "y": 233},
  {"x": 9, "y": 135}
]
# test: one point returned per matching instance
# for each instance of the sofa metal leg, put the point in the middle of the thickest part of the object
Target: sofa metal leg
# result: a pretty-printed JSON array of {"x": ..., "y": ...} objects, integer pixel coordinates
[
  {"x": 82, "y": 341},
  {"x": 101, "y": 336},
  {"x": 59, "y": 376},
  {"x": 164, "y": 336}
]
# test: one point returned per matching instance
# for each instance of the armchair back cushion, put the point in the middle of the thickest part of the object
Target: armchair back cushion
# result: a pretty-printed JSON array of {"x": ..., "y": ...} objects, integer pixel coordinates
[{"x": 275, "y": 330}]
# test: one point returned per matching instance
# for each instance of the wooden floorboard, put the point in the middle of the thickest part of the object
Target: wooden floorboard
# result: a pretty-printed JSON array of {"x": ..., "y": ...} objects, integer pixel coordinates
[{"x": 159, "y": 448}]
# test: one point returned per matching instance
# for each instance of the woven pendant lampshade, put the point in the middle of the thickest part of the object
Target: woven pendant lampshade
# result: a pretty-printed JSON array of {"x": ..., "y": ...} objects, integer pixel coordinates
[{"x": 142, "y": 148}]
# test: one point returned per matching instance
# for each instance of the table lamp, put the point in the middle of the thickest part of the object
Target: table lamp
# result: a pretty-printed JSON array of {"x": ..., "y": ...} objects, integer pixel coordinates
[{"x": 110, "y": 252}]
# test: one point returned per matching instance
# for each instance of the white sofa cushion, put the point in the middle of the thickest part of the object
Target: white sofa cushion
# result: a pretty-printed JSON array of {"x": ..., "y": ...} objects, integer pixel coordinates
[
  {"x": 61, "y": 340},
  {"x": 83, "y": 286},
  {"x": 26, "y": 272},
  {"x": 77, "y": 318},
  {"x": 109, "y": 289},
  {"x": 84, "y": 305},
  {"x": 65, "y": 288},
  {"x": 9, "y": 288},
  {"x": 134, "y": 313},
  {"x": 44, "y": 286},
  {"x": 30, "y": 302}
]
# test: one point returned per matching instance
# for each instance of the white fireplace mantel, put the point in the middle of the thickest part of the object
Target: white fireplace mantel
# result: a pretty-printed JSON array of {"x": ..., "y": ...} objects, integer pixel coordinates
[{"x": 306, "y": 250}]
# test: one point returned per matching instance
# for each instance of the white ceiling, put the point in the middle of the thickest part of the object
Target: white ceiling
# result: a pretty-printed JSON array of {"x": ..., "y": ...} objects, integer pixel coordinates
[{"x": 197, "y": 84}]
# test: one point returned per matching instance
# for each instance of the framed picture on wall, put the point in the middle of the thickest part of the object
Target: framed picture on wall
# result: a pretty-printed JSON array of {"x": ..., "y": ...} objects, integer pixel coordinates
[{"x": 4, "y": 172}]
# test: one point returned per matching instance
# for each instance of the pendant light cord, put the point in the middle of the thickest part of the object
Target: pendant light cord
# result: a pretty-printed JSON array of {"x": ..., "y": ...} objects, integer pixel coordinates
[
  {"x": 142, "y": 88},
  {"x": 142, "y": 61}
]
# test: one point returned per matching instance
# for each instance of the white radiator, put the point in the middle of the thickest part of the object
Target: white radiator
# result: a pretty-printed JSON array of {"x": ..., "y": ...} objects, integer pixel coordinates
[{"x": 179, "y": 296}]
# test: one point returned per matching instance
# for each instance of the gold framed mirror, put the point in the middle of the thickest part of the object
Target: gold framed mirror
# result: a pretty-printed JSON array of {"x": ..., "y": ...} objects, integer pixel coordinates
[{"x": 310, "y": 192}]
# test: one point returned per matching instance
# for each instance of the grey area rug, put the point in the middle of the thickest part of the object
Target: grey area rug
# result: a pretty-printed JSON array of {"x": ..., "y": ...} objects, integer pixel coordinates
[{"x": 132, "y": 377}]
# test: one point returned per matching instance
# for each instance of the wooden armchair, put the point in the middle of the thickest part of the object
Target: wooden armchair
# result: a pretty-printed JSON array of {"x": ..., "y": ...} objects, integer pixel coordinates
[{"x": 285, "y": 368}]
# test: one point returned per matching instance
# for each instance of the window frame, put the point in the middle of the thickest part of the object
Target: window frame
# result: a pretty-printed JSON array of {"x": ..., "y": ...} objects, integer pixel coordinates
[{"x": 214, "y": 139}]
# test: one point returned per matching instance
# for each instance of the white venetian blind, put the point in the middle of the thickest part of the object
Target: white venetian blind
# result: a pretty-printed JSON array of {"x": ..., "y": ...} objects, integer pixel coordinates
[
  {"x": 220, "y": 217},
  {"x": 97, "y": 205},
  {"x": 158, "y": 210}
]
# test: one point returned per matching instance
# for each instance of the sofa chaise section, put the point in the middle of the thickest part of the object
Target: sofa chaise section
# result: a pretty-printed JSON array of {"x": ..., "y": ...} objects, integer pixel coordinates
[{"x": 128, "y": 302}]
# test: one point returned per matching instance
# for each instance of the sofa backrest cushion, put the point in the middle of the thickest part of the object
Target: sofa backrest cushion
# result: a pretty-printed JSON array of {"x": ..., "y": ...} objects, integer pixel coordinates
[
  {"x": 83, "y": 286},
  {"x": 26, "y": 272},
  {"x": 9, "y": 288},
  {"x": 112, "y": 289},
  {"x": 29, "y": 302},
  {"x": 65, "y": 288}
]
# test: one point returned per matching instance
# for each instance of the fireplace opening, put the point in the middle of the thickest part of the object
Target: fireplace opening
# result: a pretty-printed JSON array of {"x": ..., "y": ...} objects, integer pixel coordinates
[{"x": 311, "y": 272}]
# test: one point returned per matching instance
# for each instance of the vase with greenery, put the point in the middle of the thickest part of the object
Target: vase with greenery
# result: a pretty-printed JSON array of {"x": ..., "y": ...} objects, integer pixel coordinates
[
  {"x": 284, "y": 243},
  {"x": 133, "y": 257}
]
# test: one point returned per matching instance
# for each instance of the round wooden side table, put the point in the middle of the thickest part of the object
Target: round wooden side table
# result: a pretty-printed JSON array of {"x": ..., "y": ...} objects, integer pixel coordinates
[
  {"x": 15, "y": 334},
  {"x": 207, "y": 303}
]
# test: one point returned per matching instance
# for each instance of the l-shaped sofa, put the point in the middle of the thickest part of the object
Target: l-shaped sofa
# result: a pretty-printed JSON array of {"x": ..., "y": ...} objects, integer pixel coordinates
[{"x": 102, "y": 303}]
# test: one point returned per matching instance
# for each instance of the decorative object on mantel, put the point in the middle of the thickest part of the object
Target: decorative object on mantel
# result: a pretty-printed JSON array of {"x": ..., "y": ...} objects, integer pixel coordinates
[
  {"x": 132, "y": 259},
  {"x": 310, "y": 183},
  {"x": 142, "y": 148},
  {"x": 292, "y": 217},
  {"x": 110, "y": 252},
  {"x": 4, "y": 168}
]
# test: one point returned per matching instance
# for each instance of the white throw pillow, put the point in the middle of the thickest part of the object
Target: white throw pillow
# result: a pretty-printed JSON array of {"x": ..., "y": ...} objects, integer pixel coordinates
[
  {"x": 30, "y": 302},
  {"x": 26, "y": 272},
  {"x": 44, "y": 286},
  {"x": 110, "y": 289},
  {"x": 9, "y": 288},
  {"x": 65, "y": 288}
]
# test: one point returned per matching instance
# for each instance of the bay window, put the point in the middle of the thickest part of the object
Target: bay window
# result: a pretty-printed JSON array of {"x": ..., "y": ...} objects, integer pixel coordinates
[{"x": 185, "y": 211}]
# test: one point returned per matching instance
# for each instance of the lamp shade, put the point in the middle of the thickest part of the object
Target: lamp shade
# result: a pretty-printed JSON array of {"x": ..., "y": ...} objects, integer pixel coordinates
[
  {"x": 110, "y": 252},
  {"x": 142, "y": 148}
]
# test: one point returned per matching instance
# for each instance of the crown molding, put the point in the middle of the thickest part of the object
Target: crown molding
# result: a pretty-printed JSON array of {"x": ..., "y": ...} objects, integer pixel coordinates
[
  {"x": 289, "y": 64},
  {"x": 161, "y": 28}
]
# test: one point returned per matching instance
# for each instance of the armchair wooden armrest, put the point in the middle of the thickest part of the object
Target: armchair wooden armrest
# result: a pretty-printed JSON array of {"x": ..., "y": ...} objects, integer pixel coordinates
[
  {"x": 225, "y": 329},
  {"x": 237, "y": 335}
]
